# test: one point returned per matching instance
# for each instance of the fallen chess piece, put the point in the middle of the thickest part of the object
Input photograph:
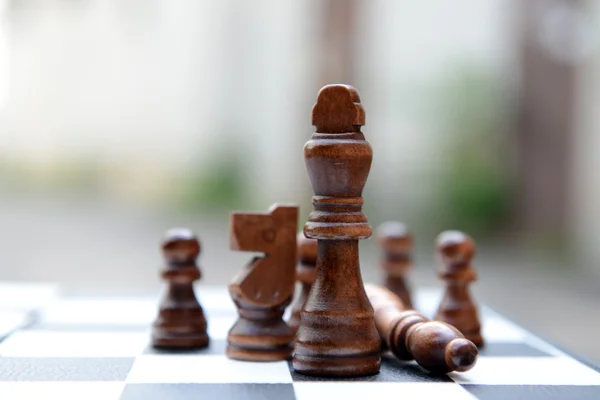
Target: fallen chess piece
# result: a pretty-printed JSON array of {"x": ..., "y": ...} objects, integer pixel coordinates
[{"x": 436, "y": 346}]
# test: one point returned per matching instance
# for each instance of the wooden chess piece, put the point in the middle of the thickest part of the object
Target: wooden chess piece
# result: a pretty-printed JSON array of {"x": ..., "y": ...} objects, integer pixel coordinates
[
  {"x": 181, "y": 322},
  {"x": 436, "y": 346},
  {"x": 455, "y": 251},
  {"x": 396, "y": 244},
  {"x": 265, "y": 287},
  {"x": 337, "y": 334},
  {"x": 306, "y": 273}
]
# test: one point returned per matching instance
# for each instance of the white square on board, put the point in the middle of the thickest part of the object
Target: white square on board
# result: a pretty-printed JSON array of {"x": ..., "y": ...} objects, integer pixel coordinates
[
  {"x": 205, "y": 369},
  {"x": 498, "y": 329},
  {"x": 216, "y": 298},
  {"x": 61, "y": 390},
  {"x": 218, "y": 327},
  {"x": 27, "y": 295},
  {"x": 101, "y": 311},
  {"x": 39, "y": 343},
  {"x": 528, "y": 371},
  {"x": 11, "y": 320},
  {"x": 380, "y": 390},
  {"x": 427, "y": 300}
]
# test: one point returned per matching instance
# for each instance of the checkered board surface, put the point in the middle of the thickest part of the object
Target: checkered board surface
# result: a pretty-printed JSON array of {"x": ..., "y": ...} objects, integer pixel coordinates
[{"x": 56, "y": 347}]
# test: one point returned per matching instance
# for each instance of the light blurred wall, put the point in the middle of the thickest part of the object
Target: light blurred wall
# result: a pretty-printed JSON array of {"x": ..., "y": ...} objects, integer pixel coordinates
[
  {"x": 148, "y": 88},
  {"x": 145, "y": 90},
  {"x": 4, "y": 54},
  {"x": 407, "y": 54},
  {"x": 585, "y": 179}
]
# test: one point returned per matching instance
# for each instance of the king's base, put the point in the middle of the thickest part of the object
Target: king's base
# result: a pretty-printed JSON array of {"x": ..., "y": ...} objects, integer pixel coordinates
[
  {"x": 259, "y": 354},
  {"x": 337, "y": 366},
  {"x": 171, "y": 340}
]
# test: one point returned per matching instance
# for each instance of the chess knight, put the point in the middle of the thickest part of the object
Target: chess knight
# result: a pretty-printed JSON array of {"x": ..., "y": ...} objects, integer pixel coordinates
[{"x": 265, "y": 287}]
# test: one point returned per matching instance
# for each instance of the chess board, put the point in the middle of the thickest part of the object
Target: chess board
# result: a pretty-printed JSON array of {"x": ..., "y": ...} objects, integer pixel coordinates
[{"x": 63, "y": 347}]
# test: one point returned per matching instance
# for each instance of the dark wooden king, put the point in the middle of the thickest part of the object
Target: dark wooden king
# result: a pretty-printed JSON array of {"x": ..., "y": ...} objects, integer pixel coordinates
[
  {"x": 337, "y": 334},
  {"x": 265, "y": 287}
]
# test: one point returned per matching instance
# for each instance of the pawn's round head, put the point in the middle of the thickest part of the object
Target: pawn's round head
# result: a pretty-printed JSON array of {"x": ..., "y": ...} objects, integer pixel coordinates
[
  {"x": 394, "y": 237},
  {"x": 455, "y": 247},
  {"x": 180, "y": 245},
  {"x": 460, "y": 354},
  {"x": 307, "y": 249}
]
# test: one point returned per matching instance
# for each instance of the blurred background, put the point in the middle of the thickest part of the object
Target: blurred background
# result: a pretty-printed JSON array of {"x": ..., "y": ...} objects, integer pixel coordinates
[{"x": 121, "y": 119}]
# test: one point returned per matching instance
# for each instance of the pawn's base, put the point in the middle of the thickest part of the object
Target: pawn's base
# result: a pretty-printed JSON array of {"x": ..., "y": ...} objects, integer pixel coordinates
[
  {"x": 162, "y": 339},
  {"x": 259, "y": 354},
  {"x": 337, "y": 367}
]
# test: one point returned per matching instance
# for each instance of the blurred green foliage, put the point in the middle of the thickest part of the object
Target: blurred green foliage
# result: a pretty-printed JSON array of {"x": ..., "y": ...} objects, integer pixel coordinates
[
  {"x": 217, "y": 184},
  {"x": 64, "y": 174},
  {"x": 477, "y": 185}
]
